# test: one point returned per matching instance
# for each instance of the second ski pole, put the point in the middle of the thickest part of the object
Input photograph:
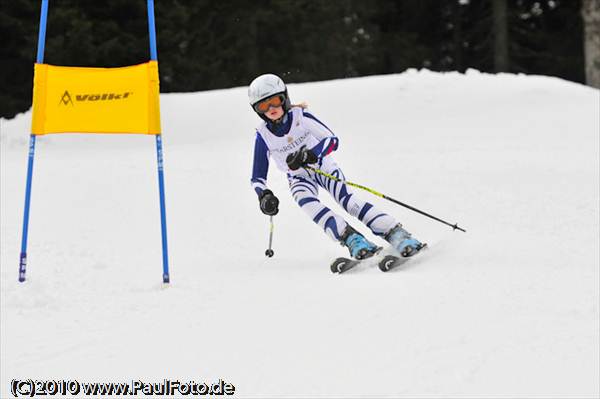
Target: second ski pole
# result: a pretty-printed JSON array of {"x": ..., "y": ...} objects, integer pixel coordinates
[{"x": 454, "y": 226}]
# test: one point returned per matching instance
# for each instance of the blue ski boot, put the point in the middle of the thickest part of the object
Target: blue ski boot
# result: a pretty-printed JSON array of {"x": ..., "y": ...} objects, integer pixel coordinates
[
  {"x": 359, "y": 247},
  {"x": 401, "y": 240}
]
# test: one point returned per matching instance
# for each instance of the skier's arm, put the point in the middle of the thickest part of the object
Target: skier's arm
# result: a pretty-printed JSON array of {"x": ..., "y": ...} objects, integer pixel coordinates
[
  {"x": 261, "y": 165},
  {"x": 328, "y": 142},
  {"x": 269, "y": 204}
]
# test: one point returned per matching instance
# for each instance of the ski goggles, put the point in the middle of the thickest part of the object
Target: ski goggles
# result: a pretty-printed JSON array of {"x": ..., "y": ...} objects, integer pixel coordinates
[{"x": 274, "y": 101}]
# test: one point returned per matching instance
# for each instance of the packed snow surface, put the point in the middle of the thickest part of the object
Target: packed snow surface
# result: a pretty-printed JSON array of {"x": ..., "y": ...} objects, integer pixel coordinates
[{"x": 508, "y": 309}]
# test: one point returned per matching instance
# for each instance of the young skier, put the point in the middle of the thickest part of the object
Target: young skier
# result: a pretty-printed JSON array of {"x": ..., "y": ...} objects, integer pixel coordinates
[{"x": 294, "y": 139}]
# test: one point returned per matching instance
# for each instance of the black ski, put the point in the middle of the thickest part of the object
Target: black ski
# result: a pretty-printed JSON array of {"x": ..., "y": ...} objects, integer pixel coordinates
[{"x": 387, "y": 263}]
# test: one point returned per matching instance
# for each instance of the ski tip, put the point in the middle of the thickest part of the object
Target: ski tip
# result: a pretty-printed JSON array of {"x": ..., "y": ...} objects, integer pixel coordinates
[
  {"x": 337, "y": 265},
  {"x": 340, "y": 265},
  {"x": 388, "y": 263}
]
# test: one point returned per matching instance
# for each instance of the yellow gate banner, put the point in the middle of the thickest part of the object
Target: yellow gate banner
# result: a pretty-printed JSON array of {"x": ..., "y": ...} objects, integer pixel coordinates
[{"x": 96, "y": 100}]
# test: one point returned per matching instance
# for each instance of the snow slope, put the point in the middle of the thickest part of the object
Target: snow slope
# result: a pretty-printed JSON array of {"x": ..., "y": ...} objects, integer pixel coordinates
[{"x": 509, "y": 309}]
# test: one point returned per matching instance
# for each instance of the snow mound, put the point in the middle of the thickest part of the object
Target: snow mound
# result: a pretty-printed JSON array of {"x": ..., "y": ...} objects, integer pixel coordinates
[{"x": 510, "y": 308}]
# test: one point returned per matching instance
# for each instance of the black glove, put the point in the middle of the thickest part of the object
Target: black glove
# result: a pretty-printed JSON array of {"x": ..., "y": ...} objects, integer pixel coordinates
[
  {"x": 269, "y": 204},
  {"x": 301, "y": 158}
]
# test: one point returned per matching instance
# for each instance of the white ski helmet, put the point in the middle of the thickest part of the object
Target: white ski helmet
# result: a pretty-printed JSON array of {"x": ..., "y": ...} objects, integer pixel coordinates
[{"x": 266, "y": 86}]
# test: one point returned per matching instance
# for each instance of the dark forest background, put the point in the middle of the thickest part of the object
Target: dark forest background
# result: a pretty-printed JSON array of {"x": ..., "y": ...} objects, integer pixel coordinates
[{"x": 206, "y": 44}]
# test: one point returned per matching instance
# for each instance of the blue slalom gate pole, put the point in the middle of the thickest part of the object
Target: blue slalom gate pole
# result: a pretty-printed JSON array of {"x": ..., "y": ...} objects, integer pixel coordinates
[
  {"x": 159, "y": 153},
  {"x": 39, "y": 60}
]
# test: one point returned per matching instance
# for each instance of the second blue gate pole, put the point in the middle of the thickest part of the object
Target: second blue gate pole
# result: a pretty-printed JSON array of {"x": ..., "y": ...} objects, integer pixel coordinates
[{"x": 159, "y": 153}]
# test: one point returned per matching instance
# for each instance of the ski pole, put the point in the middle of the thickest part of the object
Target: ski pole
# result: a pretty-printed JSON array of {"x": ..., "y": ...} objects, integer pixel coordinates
[
  {"x": 454, "y": 226},
  {"x": 269, "y": 252}
]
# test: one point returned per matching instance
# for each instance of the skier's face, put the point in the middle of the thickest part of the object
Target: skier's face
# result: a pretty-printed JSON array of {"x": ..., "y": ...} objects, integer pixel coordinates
[{"x": 274, "y": 113}]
